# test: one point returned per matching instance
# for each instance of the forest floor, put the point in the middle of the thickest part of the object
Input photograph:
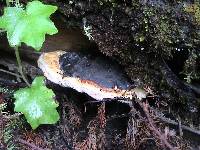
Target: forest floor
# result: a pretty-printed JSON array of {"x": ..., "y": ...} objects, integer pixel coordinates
[{"x": 85, "y": 123}]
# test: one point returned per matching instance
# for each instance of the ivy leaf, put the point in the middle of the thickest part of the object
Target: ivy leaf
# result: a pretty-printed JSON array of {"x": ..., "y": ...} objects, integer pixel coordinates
[
  {"x": 37, "y": 103},
  {"x": 30, "y": 25}
]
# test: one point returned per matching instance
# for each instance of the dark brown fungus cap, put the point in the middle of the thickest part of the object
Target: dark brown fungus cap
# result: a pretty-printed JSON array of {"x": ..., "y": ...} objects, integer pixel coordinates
[{"x": 97, "y": 76}]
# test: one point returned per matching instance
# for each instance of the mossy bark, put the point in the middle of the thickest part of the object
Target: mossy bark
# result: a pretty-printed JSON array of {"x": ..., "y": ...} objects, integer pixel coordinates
[{"x": 141, "y": 35}]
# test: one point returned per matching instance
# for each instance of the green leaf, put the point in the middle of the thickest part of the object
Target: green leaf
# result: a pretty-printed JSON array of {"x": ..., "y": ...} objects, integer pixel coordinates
[
  {"x": 30, "y": 25},
  {"x": 37, "y": 103}
]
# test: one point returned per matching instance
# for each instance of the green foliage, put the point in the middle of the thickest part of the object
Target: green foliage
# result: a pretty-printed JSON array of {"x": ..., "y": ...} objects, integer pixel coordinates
[
  {"x": 37, "y": 103},
  {"x": 30, "y": 25}
]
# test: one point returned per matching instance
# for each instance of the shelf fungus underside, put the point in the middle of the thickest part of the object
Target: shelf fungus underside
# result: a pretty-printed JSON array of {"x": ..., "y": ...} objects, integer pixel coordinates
[{"x": 98, "y": 77}]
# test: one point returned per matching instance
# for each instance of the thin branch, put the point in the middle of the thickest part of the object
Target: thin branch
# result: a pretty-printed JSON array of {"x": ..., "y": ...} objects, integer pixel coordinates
[
  {"x": 186, "y": 128},
  {"x": 153, "y": 127},
  {"x": 180, "y": 127},
  {"x": 175, "y": 123},
  {"x": 11, "y": 73},
  {"x": 32, "y": 146}
]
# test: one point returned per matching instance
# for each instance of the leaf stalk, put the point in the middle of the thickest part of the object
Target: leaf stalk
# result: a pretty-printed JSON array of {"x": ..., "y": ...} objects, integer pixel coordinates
[{"x": 20, "y": 66}]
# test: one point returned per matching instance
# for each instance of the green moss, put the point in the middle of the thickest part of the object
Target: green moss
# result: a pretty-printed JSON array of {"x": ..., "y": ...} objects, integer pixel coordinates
[
  {"x": 191, "y": 68},
  {"x": 194, "y": 9}
]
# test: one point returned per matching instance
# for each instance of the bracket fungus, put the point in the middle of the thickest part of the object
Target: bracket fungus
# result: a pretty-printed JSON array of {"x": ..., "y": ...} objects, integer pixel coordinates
[{"x": 98, "y": 76}]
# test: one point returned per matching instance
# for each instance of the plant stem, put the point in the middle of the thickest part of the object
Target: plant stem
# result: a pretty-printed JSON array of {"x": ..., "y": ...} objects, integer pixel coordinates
[
  {"x": 8, "y": 3},
  {"x": 20, "y": 66}
]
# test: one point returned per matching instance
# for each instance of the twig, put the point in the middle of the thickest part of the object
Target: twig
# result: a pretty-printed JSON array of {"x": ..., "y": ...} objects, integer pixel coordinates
[
  {"x": 153, "y": 127},
  {"x": 180, "y": 127},
  {"x": 172, "y": 122},
  {"x": 11, "y": 73},
  {"x": 186, "y": 128},
  {"x": 34, "y": 147},
  {"x": 118, "y": 116}
]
